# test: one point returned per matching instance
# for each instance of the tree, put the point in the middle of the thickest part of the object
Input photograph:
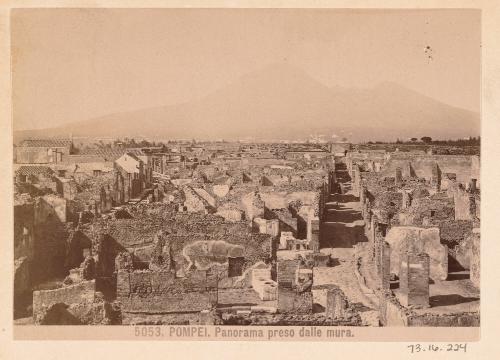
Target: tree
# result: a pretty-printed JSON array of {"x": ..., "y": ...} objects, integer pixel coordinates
[
  {"x": 413, "y": 139},
  {"x": 426, "y": 139}
]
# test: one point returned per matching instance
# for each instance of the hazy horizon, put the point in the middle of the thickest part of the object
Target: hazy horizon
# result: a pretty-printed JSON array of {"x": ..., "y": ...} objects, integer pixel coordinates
[
  {"x": 74, "y": 65},
  {"x": 374, "y": 86}
]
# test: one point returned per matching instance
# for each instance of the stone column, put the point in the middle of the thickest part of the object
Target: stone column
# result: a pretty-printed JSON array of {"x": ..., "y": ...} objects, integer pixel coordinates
[
  {"x": 436, "y": 177},
  {"x": 109, "y": 200},
  {"x": 399, "y": 177},
  {"x": 406, "y": 199},
  {"x": 336, "y": 303},
  {"x": 385, "y": 264},
  {"x": 373, "y": 228},
  {"x": 362, "y": 194},
  {"x": 368, "y": 215},
  {"x": 286, "y": 270},
  {"x": 313, "y": 233},
  {"x": 408, "y": 169}
]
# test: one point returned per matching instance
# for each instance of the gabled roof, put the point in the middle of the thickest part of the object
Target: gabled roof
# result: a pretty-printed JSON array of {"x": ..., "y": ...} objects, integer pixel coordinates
[
  {"x": 129, "y": 162},
  {"x": 46, "y": 143},
  {"x": 133, "y": 155}
]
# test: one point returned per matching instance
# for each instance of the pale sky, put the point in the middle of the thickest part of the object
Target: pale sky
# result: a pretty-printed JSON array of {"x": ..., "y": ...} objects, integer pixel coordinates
[{"x": 76, "y": 64}]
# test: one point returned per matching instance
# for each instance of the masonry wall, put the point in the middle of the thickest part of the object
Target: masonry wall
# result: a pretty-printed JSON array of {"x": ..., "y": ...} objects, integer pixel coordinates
[
  {"x": 81, "y": 292},
  {"x": 286, "y": 221},
  {"x": 39, "y": 155},
  {"x": 49, "y": 238},
  {"x": 414, "y": 280},
  {"x": 445, "y": 320},
  {"x": 290, "y": 301},
  {"x": 194, "y": 202},
  {"x": 313, "y": 233},
  {"x": 417, "y": 239},
  {"x": 465, "y": 167},
  {"x": 465, "y": 206},
  {"x": 391, "y": 312},
  {"x": 22, "y": 276},
  {"x": 286, "y": 273},
  {"x": 336, "y": 303},
  {"x": 161, "y": 292},
  {"x": 475, "y": 258},
  {"x": 24, "y": 218}
]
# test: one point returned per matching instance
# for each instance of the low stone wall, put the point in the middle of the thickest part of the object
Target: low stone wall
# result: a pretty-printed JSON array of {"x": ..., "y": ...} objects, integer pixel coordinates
[
  {"x": 447, "y": 320},
  {"x": 290, "y": 301},
  {"x": 160, "y": 292},
  {"x": 78, "y": 293},
  {"x": 289, "y": 320},
  {"x": 393, "y": 314}
]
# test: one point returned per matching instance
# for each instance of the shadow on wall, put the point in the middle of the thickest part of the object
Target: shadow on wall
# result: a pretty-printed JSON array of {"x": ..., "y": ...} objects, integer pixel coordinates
[
  {"x": 458, "y": 276},
  {"x": 49, "y": 250},
  {"x": 107, "y": 249},
  {"x": 338, "y": 235},
  {"x": 77, "y": 242},
  {"x": 343, "y": 198},
  {"x": 454, "y": 265},
  {"x": 450, "y": 299},
  {"x": 58, "y": 314},
  {"x": 342, "y": 215}
]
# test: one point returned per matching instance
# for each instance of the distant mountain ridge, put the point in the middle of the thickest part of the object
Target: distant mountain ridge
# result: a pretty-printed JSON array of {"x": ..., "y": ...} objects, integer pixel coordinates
[{"x": 283, "y": 102}]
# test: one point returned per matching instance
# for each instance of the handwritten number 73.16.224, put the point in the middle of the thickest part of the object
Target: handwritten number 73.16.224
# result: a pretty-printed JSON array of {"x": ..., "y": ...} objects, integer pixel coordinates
[{"x": 416, "y": 348}]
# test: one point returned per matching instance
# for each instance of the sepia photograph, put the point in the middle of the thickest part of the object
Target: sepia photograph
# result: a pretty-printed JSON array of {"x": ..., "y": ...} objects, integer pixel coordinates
[{"x": 246, "y": 169}]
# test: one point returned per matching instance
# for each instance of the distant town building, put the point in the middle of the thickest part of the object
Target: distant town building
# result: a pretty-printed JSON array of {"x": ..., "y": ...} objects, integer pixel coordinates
[
  {"x": 133, "y": 175},
  {"x": 43, "y": 151}
]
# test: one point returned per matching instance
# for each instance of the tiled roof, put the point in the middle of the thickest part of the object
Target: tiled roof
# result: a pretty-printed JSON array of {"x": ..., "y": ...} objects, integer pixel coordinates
[
  {"x": 34, "y": 170},
  {"x": 110, "y": 154},
  {"x": 46, "y": 143}
]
